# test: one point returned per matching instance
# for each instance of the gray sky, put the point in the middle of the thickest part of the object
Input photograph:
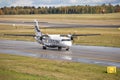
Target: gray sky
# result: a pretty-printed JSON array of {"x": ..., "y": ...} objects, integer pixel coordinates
[{"x": 37, "y": 3}]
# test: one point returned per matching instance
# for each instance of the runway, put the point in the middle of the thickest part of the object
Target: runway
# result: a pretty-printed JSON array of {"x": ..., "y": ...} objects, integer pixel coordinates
[
  {"x": 58, "y": 25},
  {"x": 78, "y": 53}
]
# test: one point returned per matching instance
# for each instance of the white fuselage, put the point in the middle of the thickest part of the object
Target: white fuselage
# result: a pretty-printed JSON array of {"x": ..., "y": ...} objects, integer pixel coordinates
[{"x": 56, "y": 41}]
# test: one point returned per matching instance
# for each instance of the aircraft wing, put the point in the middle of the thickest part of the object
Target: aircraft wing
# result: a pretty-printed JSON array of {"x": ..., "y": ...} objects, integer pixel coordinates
[
  {"x": 32, "y": 35},
  {"x": 85, "y": 34},
  {"x": 72, "y": 36}
]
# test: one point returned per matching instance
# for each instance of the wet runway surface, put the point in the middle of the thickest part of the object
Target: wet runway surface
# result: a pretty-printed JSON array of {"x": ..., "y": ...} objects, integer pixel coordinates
[
  {"x": 87, "y": 54},
  {"x": 57, "y": 25}
]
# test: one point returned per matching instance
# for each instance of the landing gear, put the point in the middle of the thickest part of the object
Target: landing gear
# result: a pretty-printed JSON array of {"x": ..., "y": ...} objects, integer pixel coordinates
[
  {"x": 67, "y": 49},
  {"x": 44, "y": 47},
  {"x": 59, "y": 48}
]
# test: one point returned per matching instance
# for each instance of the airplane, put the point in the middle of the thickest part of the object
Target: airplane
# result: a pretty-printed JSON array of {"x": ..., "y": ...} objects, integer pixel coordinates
[{"x": 52, "y": 40}]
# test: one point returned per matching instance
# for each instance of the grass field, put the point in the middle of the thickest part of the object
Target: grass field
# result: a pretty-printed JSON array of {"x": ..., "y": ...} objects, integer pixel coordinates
[
  {"x": 108, "y": 37},
  {"x": 94, "y": 19},
  {"x": 66, "y": 16},
  {"x": 25, "y": 68}
]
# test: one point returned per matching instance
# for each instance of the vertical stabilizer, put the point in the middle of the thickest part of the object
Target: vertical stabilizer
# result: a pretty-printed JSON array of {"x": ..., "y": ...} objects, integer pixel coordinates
[{"x": 37, "y": 30}]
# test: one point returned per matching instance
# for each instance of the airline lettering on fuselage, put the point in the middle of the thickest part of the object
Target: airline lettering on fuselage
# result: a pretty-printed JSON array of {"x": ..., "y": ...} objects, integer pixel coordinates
[
  {"x": 51, "y": 42},
  {"x": 54, "y": 42}
]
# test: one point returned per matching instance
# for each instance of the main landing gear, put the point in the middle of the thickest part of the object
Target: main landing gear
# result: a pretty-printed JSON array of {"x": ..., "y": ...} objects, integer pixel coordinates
[
  {"x": 60, "y": 48},
  {"x": 44, "y": 47}
]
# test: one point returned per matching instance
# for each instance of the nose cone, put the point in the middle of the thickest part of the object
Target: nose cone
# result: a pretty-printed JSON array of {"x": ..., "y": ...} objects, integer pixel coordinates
[{"x": 67, "y": 43}]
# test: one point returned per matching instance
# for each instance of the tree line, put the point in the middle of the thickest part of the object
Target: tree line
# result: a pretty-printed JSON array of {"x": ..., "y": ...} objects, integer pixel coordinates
[{"x": 61, "y": 10}]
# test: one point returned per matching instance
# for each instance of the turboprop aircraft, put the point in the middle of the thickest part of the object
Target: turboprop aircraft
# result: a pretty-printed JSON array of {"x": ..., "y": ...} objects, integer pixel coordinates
[
  {"x": 54, "y": 40},
  {"x": 60, "y": 41}
]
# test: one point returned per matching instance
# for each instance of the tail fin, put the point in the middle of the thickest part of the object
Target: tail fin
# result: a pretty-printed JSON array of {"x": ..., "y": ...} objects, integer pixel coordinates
[{"x": 37, "y": 30}]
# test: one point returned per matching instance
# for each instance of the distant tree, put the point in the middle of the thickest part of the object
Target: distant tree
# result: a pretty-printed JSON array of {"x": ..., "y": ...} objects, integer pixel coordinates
[
  {"x": 1, "y": 12},
  {"x": 61, "y": 10},
  {"x": 117, "y": 8}
]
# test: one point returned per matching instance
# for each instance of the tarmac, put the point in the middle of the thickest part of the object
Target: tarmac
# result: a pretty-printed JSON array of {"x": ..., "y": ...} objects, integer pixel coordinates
[
  {"x": 57, "y": 25},
  {"x": 77, "y": 53}
]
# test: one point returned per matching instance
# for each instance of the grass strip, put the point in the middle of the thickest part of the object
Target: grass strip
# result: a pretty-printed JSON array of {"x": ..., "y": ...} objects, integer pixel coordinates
[{"x": 14, "y": 67}]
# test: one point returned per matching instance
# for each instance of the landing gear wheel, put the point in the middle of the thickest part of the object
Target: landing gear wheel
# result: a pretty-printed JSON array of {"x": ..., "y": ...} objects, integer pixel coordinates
[
  {"x": 59, "y": 48},
  {"x": 44, "y": 47},
  {"x": 67, "y": 49}
]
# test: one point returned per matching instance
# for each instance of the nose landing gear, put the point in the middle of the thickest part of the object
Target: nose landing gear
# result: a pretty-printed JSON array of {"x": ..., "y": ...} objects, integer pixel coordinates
[
  {"x": 67, "y": 49},
  {"x": 60, "y": 48}
]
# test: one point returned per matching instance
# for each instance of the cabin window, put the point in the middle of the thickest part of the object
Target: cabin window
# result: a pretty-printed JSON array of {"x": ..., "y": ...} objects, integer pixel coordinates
[{"x": 66, "y": 40}]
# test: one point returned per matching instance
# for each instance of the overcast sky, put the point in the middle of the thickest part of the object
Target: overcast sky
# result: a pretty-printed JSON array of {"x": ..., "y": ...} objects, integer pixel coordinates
[{"x": 37, "y": 3}]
